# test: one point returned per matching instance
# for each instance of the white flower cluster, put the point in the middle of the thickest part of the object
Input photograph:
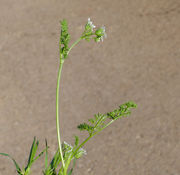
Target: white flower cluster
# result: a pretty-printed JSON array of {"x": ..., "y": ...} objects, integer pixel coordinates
[
  {"x": 91, "y": 24},
  {"x": 83, "y": 151},
  {"x": 104, "y": 33},
  {"x": 67, "y": 144},
  {"x": 98, "y": 35},
  {"x": 70, "y": 147}
]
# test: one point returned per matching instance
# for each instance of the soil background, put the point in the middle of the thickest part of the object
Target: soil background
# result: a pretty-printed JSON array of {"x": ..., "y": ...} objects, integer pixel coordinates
[{"x": 139, "y": 61}]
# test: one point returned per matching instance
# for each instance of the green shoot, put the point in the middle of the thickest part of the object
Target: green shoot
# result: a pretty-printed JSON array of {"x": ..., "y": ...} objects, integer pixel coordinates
[
  {"x": 18, "y": 169},
  {"x": 31, "y": 160}
]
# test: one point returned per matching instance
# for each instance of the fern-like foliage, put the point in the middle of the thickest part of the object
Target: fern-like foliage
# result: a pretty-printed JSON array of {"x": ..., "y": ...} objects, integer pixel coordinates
[
  {"x": 100, "y": 121},
  {"x": 123, "y": 111}
]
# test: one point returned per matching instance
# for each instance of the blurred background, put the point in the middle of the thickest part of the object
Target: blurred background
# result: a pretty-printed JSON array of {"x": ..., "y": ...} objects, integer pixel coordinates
[{"x": 138, "y": 61}]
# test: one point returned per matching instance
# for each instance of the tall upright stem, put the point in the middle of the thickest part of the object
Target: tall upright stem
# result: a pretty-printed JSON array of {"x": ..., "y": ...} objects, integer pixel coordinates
[
  {"x": 57, "y": 111},
  {"x": 57, "y": 100}
]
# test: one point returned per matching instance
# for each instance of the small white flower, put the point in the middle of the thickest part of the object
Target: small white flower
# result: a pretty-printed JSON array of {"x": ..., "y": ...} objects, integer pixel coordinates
[
  {"x": 70, "y": 147},
  {"x": 91, "y": 24},
  {"x": 104, "y": 33},
  {"x": 65, "y": 143},
  {"x": 83, "y": 150}
]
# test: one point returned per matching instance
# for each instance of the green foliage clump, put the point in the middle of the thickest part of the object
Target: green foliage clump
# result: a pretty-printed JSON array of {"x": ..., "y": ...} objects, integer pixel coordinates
[{"x": 31, "y": 160}]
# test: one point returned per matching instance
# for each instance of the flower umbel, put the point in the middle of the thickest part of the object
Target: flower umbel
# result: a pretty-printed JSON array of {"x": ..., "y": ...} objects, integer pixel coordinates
[
  {"x": 91, "y": 24},
  {"x": 89, "y": 33},
  {"x": 100, "y": 34},
  {"x": 68, "y": 150}
]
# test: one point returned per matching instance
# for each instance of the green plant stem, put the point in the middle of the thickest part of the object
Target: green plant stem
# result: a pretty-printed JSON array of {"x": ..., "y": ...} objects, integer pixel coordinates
[
  {"x": 57, "y": 102},
  {"x": 57, "y": 111},
  {"x": 57, "y": 99},
  {"x": 90, "y": 136},
  {"x": 104, "y": 127},
  {"x": 70, "y": 158},
  {"x": 76, "y": 42},
  {"x": 84, "y": 142}
]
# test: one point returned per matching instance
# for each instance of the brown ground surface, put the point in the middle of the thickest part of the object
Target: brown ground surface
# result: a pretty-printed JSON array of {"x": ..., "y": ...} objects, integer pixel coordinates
[{"x": 138, "y": 61}]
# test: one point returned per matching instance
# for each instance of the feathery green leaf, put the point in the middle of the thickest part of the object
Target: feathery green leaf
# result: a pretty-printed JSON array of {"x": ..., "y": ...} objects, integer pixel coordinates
[{"x": 100, "y": 121}]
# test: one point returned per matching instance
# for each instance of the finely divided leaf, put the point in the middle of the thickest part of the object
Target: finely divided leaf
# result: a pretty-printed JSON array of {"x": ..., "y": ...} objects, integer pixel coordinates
[
  {"x": 123, "y": 111},
  {"x": 76, "y": 141},
  {"x": 100, "y": 121}
]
